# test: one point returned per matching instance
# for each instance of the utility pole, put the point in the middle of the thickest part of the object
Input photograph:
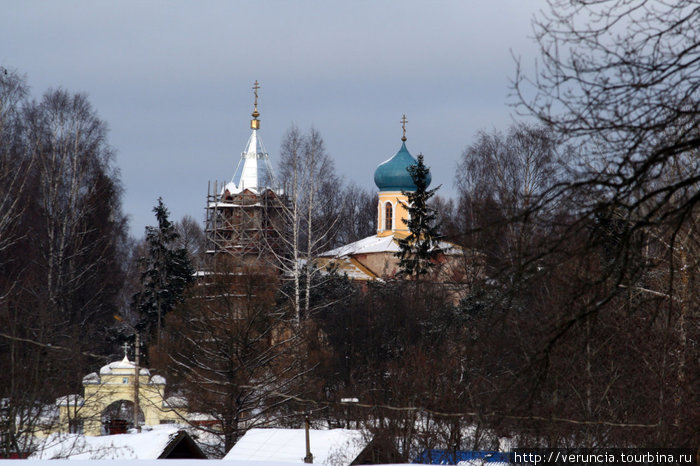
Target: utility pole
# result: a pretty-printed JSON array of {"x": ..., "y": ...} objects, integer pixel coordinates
[
  {"x": 137, "y": 407},
  {"x": 137, "y": 370},
  {"x": 309, "y": 458},
  {"x": 346, "y": 402}
]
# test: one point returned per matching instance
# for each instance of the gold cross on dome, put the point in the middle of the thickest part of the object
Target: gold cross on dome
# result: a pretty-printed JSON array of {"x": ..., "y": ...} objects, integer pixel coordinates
[{"x": 403, "y": 125}]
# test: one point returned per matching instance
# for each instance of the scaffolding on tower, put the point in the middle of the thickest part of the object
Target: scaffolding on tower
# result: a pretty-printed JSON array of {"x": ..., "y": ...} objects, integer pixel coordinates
[{"x": 245, "y": 224}]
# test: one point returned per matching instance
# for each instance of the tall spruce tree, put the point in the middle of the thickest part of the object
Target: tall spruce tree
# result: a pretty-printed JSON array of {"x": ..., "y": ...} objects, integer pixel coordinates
[
  {"x": 166, "y": 273},
  {"x": 421, "y": 247}
]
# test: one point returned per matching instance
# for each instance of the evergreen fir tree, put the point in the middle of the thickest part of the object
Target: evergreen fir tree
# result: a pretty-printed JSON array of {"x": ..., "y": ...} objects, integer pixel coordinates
[
  {"x": 167, "y": 272},
  {"x": 419, "y": 250}
]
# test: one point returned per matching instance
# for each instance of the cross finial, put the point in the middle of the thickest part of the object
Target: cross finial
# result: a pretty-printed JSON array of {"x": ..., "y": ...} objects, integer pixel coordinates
[
  {"x": 254, "y": 123},
  {"x": 126, "y": 346},
  {"x": 256, "y": 86},
  {"x": 403, "y": 125}
]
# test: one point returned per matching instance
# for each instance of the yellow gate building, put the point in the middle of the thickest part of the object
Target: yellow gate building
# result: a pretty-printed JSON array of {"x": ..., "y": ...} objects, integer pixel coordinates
[{"x": 107, "y": 405}]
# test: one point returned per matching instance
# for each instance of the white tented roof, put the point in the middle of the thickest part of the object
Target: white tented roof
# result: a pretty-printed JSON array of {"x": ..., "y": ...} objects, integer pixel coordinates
[
  {"x": 253, "y": 171},
  {"x": 335, "y": 446}
]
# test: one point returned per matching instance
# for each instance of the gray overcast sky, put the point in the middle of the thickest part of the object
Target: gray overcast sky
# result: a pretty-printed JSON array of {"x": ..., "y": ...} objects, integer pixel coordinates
[{"x": 173, "y": 80}]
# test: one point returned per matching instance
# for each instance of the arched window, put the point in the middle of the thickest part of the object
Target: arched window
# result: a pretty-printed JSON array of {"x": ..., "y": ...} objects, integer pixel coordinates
[{"x": 388, "y": 215}]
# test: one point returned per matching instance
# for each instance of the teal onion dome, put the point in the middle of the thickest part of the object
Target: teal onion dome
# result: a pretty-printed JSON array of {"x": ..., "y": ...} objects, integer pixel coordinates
[{"x": 393, "y": 175}]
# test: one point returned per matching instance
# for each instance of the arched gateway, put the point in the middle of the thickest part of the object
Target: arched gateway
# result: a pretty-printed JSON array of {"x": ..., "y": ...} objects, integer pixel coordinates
[
  {"x": 107, "y": 406},
  {"x": 118, "y": 417}
]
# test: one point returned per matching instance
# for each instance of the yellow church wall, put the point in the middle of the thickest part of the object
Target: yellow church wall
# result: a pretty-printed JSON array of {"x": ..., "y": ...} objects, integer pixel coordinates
[
  {"x": 399, "y": 204},
  {"x": 382, "y": 264}
]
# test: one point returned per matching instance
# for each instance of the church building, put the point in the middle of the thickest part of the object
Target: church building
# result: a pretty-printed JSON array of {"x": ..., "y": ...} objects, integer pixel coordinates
[
  {"x": 243, "y": 215},
  {"x": 374, "y": 257}
]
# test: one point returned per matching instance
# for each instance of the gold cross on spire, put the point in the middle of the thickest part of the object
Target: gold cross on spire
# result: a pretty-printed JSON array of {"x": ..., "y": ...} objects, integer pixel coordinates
[
  {"x": 403, "y": 125},
  {"x": 254, "y": 123},
  {"x": 256, "y": 86}
]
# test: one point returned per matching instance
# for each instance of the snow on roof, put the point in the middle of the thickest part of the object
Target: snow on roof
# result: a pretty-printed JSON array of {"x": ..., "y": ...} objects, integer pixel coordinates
[
  {"x": 229, "y": 204},
  {"x": 251, "y": 174},
  {"x": 367, "y": 245},
  {"x": 233, "y": 189},
  {"x": 463, "y": 457},
  {"x": 175, "y": 402},
  {"x": 375, "y": 244},
  {"x": 450, "y": 248},
  {"x": 70, "y": 400},
  {"x": 123, "y": 367},
  {"x": 193, "y": 417},
  {"x": 92, "y": 377},
  {"x": 335, "y": 446},
  {"x": 146, "y": 445}
]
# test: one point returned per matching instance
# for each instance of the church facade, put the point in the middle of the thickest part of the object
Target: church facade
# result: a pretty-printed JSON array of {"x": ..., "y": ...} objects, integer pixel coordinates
[{"x": 374, "y": 257}]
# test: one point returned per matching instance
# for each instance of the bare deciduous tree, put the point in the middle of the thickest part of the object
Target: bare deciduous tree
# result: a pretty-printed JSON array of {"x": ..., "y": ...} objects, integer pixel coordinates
[
  {"x": 358, "y": 218},
  {"x": 311, "y": 216},
  {"x": 229, "y": 352},
  {"x": 502, "y": 180},
  {"x": 192, "y": 238},
  {"x": 619, "y": 79},
  {"x": 78, "y": 205},
  {"x": 14, "y": 165},
  {"x": 62, "y": 231}
]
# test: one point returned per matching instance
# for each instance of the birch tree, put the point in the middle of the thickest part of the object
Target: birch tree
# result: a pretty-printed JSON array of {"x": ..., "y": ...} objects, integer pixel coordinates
[
  {"x": 14, "y": 165},
  {"x": 502, "y": 180},
  {"x": 61, "y": 229},
  {"x": 22, "y": 383},
  {"x": 310, "y": 216},
  {"x": 77, "y": 201}
]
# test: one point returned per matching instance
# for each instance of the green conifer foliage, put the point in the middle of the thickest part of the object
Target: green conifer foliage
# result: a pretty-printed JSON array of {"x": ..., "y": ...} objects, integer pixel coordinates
[
  {"x": 419, "y": 250},
  {"x": 167, "y": 272}
]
